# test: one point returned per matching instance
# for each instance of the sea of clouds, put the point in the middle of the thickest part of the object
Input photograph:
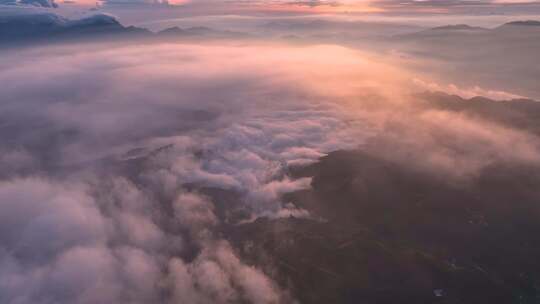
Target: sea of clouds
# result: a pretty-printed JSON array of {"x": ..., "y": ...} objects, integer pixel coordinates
[
  {"x": 98, "y": 143},
  {"x": 105, "y": 147}
]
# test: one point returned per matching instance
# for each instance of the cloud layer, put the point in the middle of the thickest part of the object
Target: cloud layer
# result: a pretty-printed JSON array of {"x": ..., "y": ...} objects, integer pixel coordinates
[
  {"x": 103, "y": 155},
  {"x": 109, "y": 160}
]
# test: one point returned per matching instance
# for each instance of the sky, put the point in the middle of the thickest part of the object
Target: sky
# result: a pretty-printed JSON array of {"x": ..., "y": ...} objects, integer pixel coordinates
[
  {"x": 319, "y": 6},
  {"x": 419, "y": 12},
  {"x": 202, "y": 7}
]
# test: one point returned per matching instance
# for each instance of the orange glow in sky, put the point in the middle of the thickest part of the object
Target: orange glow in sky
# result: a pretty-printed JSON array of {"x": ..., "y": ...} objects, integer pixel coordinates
[
  {"x": 342, "y": 7},
  {"x": 264, "y": 6}
]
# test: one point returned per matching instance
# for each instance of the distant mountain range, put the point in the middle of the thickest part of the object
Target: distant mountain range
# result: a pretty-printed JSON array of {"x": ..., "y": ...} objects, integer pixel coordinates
[
  {"x": 36, "y": 3},
  {"x": 29, "y": 27},
  {"x": 524, "y": 23},
  {"x": 26, "y": 28},
  {"x": 503, "y": 57},
  {"x": 464, "y": 30}
]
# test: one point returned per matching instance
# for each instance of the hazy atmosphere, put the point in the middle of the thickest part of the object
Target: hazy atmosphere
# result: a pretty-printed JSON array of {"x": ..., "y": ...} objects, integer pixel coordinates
[{"x": 268, "y": 151}]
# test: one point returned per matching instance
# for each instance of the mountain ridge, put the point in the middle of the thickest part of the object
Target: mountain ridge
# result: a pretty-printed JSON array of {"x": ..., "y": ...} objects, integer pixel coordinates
[{"x": 28, "y": 28}]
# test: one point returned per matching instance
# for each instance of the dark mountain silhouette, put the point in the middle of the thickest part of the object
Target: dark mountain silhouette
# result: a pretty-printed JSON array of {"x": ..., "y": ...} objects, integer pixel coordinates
[
  {"x": 457, "y": 27},
  {"x": 394, "y": 233},
  {"x": 17, "y": 29},
  {"x": 36, "y": 3},
  {"x": 397, "y": 235},
  {"x": 523, "y": 23},
  {"x": 36, "y": 27}
]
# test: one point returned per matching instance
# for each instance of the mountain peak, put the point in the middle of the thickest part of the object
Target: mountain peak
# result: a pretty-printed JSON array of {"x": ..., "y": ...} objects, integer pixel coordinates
[
  {"x": 100, "y": 19},
  {"x": 456, "y": 27},
  {"x": 36, "y": 19},
  {"x": 36, "y": 3},
  {"x": 523, "y": 23},
  {"x": 35, "y": 26}
]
